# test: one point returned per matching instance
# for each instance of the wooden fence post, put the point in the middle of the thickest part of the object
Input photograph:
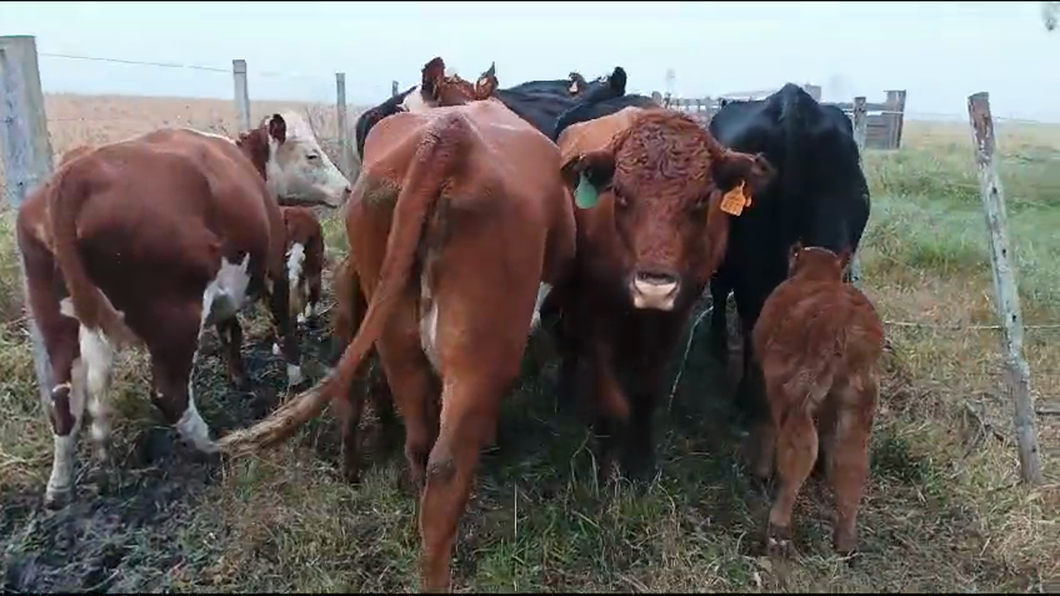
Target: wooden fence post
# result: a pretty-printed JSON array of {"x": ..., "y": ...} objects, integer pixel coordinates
[
  {"x": 861, "y": 122},
  {"x": 344, "y": 133},
  {"x": 1006, "y": 295},
  {"x": 27, "y": 158},
  {"x": 242, "y": 94},
  {"x": 393, "y": 88}
]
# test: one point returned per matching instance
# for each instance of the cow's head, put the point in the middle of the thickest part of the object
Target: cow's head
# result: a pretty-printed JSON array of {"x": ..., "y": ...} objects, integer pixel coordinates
[
  {"x": 439, "y": 88},
  {"x": 616, "y": 82},
  {"x": 817, "y": 263},
  {"x": 297, "y": 171},
  {"x": 662, "y": 180}
]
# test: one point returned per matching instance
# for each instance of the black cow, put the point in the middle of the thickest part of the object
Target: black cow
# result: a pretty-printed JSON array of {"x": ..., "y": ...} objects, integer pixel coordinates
[
  {"x": 591, "y": 107},
  {"x": 538, "y": 102},
  {"x": 819, "y": 196}
]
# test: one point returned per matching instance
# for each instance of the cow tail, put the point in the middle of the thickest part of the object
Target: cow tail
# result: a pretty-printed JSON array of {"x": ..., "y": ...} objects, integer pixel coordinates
[
  {"x": 436, "y": 157},
  {"x": 90, "y": 306}
]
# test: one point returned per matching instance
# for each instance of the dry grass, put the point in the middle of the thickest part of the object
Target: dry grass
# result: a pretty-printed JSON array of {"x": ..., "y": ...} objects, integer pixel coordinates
[{"x": 943, "y": 511}]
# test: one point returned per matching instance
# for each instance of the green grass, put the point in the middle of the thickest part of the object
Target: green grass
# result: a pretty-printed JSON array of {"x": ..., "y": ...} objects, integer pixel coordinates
[{"x": 942, "y": 512}]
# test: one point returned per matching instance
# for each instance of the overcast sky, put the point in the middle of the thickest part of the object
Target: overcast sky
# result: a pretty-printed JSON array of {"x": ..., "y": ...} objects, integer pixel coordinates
[{"x": 939, "y": 51}]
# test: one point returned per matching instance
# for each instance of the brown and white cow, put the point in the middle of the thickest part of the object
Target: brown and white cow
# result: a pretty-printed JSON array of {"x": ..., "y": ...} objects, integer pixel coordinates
[
  {"x": 305, "y": 260},
  {"x": 819, "y": 342},
  {"x": 148, "y": 241},
  {"x": 459, "y": 226},
  {"x": 650, "y": 234}
]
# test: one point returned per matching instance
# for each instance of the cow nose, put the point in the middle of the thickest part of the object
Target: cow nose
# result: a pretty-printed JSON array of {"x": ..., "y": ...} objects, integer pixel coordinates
[{"x": 655, "y": 290}]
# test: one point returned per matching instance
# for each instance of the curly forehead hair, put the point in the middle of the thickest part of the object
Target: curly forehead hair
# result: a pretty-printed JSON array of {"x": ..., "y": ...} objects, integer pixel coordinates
[{"x": 668, "y": 144}]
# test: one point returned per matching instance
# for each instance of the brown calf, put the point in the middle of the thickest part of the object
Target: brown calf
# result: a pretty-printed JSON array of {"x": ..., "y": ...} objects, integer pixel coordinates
[
  {"x": 459, "y": 227},
  {"x": 818, "y": 341},
  {"x": 149, "y": 241},
  {"x": 305, "y": 260},
  {"x": 645, "y": 253}
]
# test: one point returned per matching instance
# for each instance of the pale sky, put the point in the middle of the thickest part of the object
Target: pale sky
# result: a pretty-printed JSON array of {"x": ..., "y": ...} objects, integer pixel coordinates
[{"x": 940, "y": 52}]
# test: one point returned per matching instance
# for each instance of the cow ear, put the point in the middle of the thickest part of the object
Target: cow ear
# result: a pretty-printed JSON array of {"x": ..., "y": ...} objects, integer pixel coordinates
[
  {"x": 278, "y": 128},
  {"x": 730, "y": 168},
  {"x": 433, "y": 72},
  {"x": 487, "y": 83},
  {"x": 577, "y": 83},
  {"x": 588, "y": 175},
  {"x": 617, "y": 81}
]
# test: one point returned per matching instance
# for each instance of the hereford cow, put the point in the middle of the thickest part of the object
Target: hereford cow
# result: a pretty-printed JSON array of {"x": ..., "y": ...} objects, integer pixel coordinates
[
  {"x": 150, "y": 240},
  {"x": 459, "y": 227},
  {"x": 820, "y": 197},
  {"x": 818, "y": 341},
  {"x": 645, "y": 252},
  {"x": 437, "y": 88},
  {"x": 305, "y": 260}
]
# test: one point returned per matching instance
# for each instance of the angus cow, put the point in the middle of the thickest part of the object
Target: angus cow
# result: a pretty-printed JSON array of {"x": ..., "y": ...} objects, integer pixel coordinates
[
  {"x": 820, "y": 197},
  {"x": 150, "y": 240},
  {"x": 591, "y": 107},
  {"x": 645, "y": 252},
  {"x": 819, "y": 342},
  {"x": 459, "y": 227},
  {"x": 437, "y": 88}
]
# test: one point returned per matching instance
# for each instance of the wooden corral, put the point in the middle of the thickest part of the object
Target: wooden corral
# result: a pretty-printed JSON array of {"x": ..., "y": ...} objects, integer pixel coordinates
[{"x": 883, "y": 120}]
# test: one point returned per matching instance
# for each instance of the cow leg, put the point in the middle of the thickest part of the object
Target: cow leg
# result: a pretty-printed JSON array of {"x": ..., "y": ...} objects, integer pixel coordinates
[
  {"x": 719, "y": 331},
  {"x": 414, "y": 390},
  {"x": 850, "y": 458},
  {"x": 468, "y": 421},
  {"x": 174, "y": 349},
  {"x": 230, "y": 333},
  {"x": 383, "y": 405},
  {"x": 348, "y": 409},
  {"x": 281, "y": 318},
  {"x": 313, "y": 292},
  {"x": 750, "y": 399},
  {"x": 796, "y": 451},
  {"x": 97, "y": 354},
  {"x": 613, "y": 413}
]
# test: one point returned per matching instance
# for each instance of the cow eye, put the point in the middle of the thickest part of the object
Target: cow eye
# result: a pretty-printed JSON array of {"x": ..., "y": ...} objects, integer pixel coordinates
[{"x": 312, "y": 156}]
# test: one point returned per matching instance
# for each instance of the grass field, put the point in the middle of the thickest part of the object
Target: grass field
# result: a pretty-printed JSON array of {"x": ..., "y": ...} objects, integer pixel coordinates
[{"x": 942, "y": 513}]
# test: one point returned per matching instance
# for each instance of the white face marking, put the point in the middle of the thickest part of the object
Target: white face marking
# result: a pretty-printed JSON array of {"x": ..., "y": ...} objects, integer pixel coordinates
[
  {"x": 65, "y": 448},
  {"x": 542, "y": 292},
  {"x": 428, "y": 322},
  {"x": 573, "y": 87},
  {"x": 415, "y": 103},
  {"x": 298, "y": 170}
]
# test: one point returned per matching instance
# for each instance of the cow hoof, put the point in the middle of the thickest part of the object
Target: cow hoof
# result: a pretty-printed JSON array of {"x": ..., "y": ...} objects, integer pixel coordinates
[
  {"x": 294, "y": 376},
  {"x": 301, "y": 319},
  {"x": 57, "y": 499},
  {"x": 779, "y": 544},
  {"x": 845, "y": 545}
]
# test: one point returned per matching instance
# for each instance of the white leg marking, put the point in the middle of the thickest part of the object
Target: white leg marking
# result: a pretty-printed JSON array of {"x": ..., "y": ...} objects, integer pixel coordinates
[
  {"x": 295, "y": 261},
  {"x": 222, "y": 299},
  {"x": 294, "y": 374},
  {"x": 193, "y": 428},
  {"x": 542, "y": 293},
  {"x": 276, "y": 349},
  {"x": 428, "y": 322},
  {"x": 65, "y": 448},
  {"x": 98, "y": 357}
]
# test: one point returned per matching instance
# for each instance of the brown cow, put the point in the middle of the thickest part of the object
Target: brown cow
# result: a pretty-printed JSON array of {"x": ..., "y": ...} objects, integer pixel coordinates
[
  {"x": 645, "y": 253},
  {"x": 819, "y": 341},
  {"x": 459, "y": 226},
  {"x": 150, "y": 240}
]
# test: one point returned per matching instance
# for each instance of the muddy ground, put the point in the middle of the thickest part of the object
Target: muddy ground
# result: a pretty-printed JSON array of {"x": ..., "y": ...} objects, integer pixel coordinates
[{"x": 122, "y": 532}]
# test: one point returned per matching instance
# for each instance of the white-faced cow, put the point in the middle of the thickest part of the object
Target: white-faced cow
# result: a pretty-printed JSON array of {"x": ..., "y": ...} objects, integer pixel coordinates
[{"x": 148, "y": 241}]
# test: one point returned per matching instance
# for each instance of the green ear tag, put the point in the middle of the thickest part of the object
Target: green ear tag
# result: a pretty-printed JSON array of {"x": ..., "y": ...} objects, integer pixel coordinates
[{"x": 585, "y": 196}]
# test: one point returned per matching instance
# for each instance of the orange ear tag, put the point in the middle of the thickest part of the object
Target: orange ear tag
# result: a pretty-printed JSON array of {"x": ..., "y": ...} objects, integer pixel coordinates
[{"x": 735, "y": 201}]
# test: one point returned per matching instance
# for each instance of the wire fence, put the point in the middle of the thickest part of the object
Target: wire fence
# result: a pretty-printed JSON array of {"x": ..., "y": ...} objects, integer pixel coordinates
[{"x": 938, "y": 145}]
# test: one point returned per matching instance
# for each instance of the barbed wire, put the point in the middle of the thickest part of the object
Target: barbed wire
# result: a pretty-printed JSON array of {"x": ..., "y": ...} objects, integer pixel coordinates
[{"x": 135, "y": 62}]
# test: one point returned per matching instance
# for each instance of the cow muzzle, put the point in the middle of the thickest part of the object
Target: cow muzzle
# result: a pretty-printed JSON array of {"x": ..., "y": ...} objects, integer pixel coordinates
[{"x": 654, "y": 290}]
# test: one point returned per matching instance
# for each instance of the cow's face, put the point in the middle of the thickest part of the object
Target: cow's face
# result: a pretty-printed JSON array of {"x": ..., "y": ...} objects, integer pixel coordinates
[
  {"x": 662, "y": 181},
  {"x": 298, "y": 171}
]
